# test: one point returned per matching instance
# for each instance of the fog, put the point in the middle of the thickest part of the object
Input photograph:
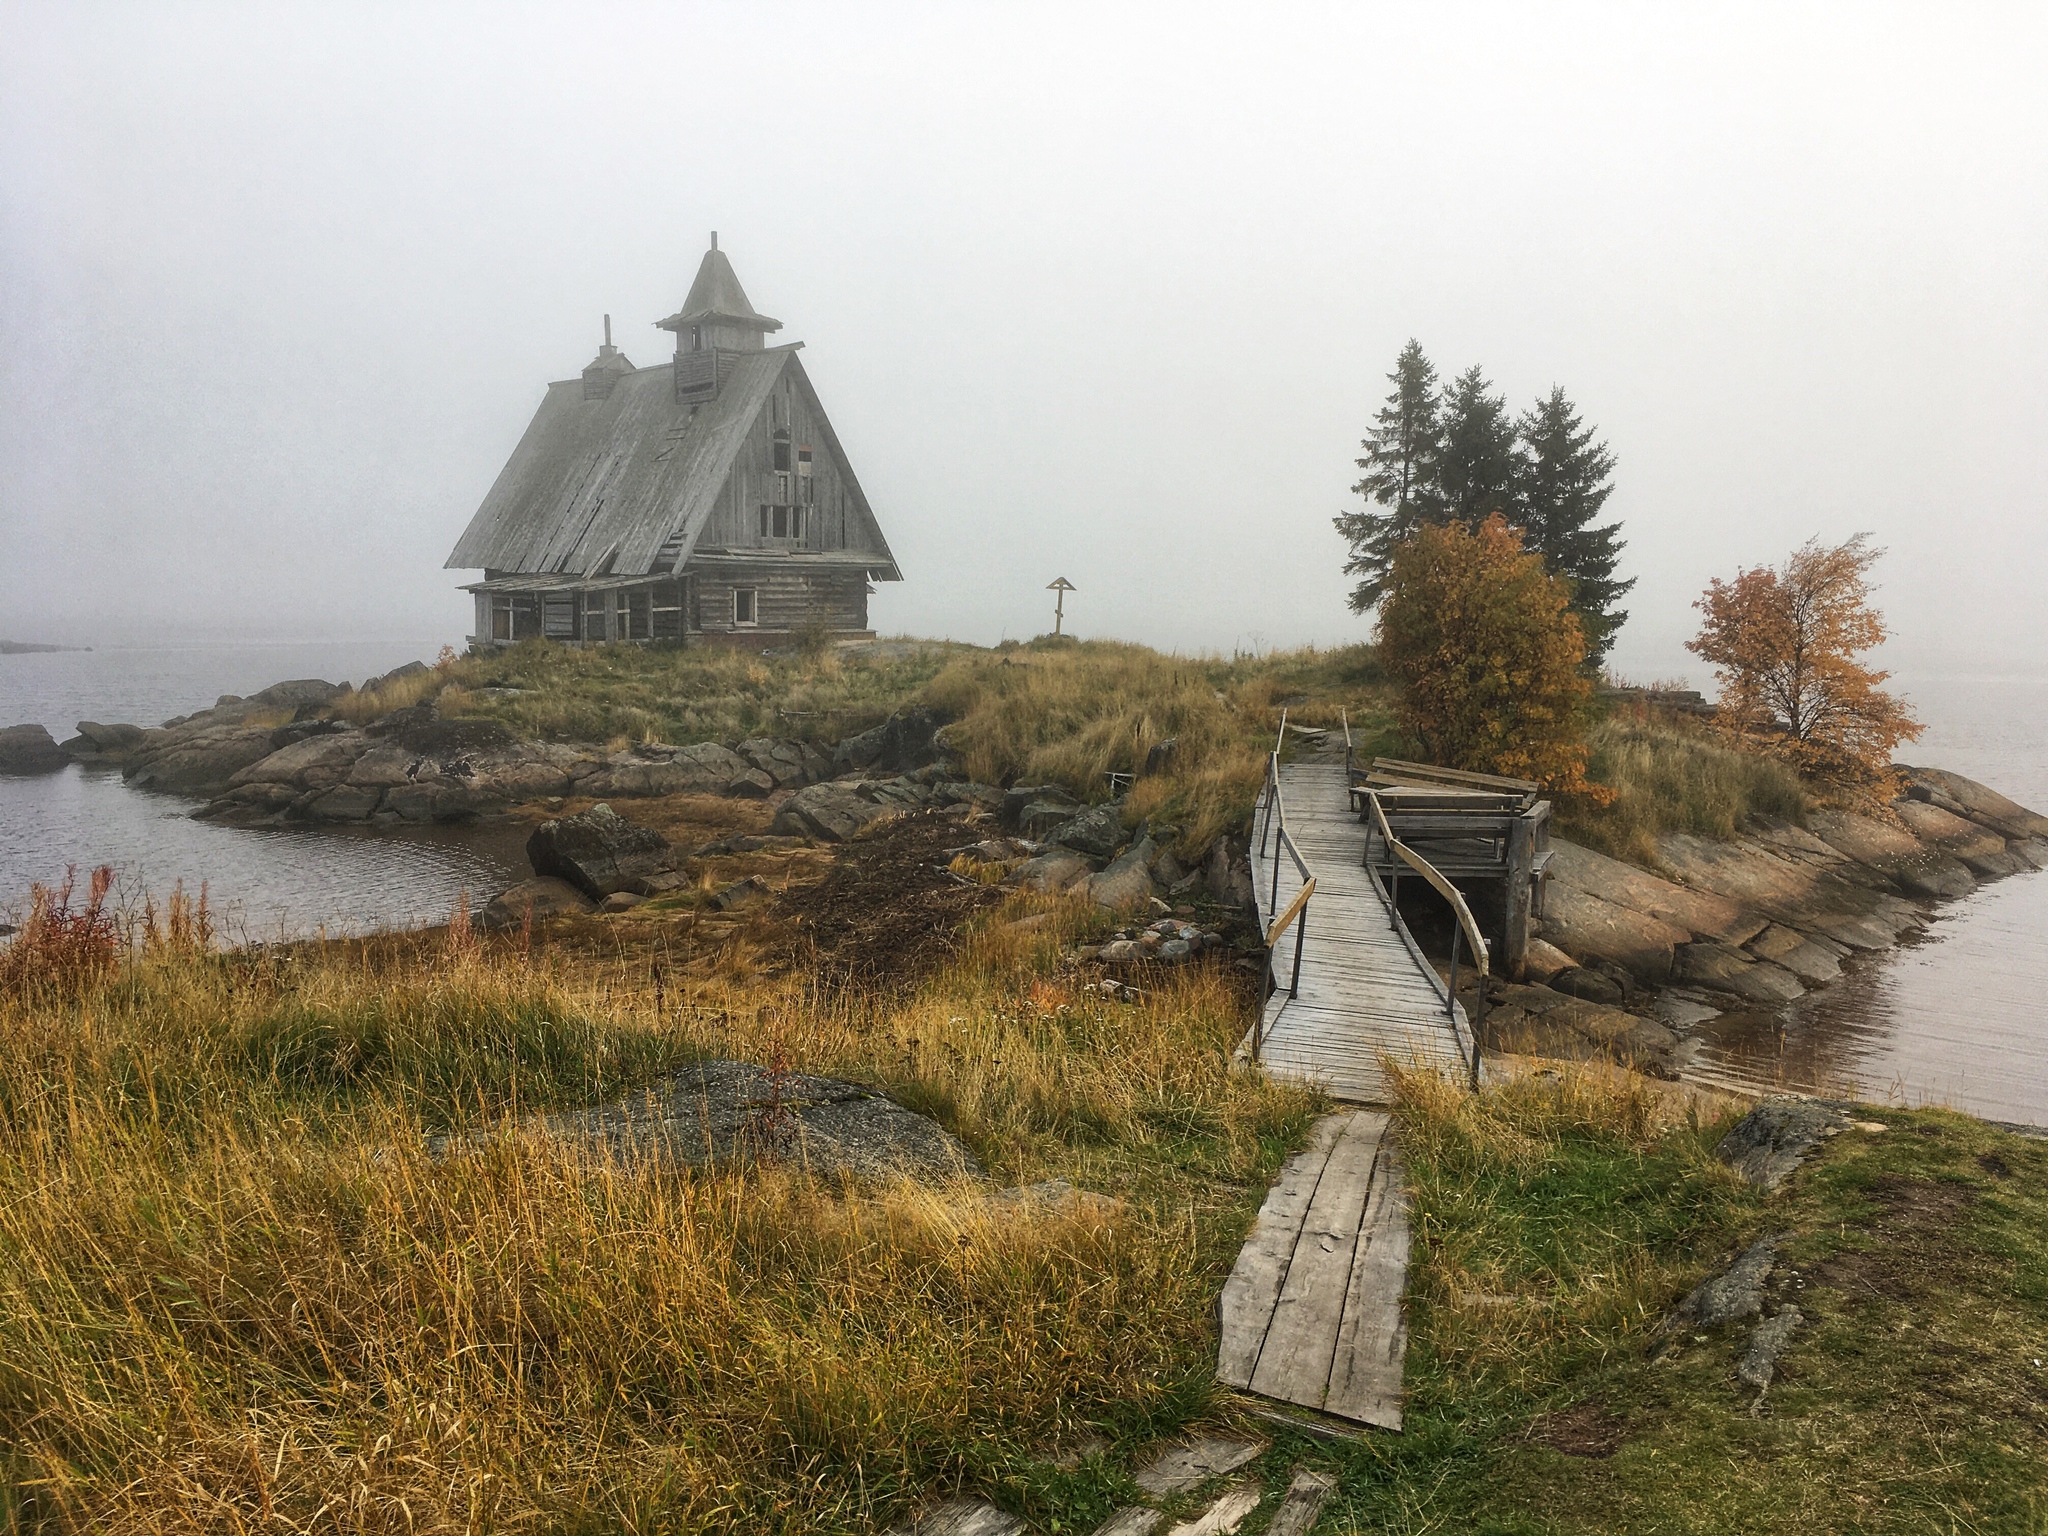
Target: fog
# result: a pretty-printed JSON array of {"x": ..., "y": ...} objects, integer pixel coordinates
[{"x": 1101, "y": 292}]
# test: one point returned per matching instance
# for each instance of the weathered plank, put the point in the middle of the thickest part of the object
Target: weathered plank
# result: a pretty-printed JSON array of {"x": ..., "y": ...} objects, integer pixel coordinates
[
  {"x": 1180, "y": 1467},
  {"x": 1298, "y": 1511},
  {"x": 1253, "y": 1288},
  {"x": 1294, "y": 1364},
  {"x": 1372, "y": 1338},
  {"x": 1223, "y": 1516}
]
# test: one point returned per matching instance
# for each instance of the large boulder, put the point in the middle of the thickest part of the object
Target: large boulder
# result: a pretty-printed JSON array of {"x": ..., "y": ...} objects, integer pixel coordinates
[
  {"x": 720, "y": 1110},
  {"x": 30, "y": 749},
  {"x": 598, "y": 852},
  {"x": 1979, "y": 847},
  {"x": 1227, "y": 871},
  {"x": 1812, "y": 960},
  {"x": 545, "y": 897},
  {"x": 1588, "y": 927},
  {"x": 298, "y": 693},
  {"x": 785, "y": 762},
  {"x": 1050, "y": 872},
  {"x": 315, "y": 762},
  {"x": 1895, "y": 853},
  {"x": 1097, "y": 832},
  {"x": 112, "y": 740},
  {"x": 198, "y": 763},
  {"x": 1125, "y": 884},
  {"x": 653, "y": 769},
  {"x": 1538, "y": 1021},
  {"x": 1624, "y": 885},
  {"x": 1725, "y": 969},
  {"x": 906, "y": 740},
  {"x": 1966, "y": 797},
  {"x": 835, "y": 811}
]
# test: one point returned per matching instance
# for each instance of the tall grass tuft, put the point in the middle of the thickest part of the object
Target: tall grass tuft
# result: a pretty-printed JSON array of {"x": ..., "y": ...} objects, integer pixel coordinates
[
  {"x": 1671, "y": 775},
  {"x": 61, "y": 949}
]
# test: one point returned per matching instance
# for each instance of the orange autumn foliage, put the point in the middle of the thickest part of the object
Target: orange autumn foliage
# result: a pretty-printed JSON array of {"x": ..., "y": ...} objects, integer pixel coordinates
[
  {"x": 1783, "y": 643},
  {"x": 1489, "y": 657}
]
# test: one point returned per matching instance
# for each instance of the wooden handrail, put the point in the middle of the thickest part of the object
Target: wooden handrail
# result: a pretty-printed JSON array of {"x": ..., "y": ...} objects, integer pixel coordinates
[
  {"x": 1280, "y": 923},
  {"x": 1467, "y": 925}
]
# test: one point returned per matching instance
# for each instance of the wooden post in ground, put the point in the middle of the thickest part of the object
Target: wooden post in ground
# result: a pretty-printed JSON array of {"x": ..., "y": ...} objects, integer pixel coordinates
[{"x": 1517, "y": 886}]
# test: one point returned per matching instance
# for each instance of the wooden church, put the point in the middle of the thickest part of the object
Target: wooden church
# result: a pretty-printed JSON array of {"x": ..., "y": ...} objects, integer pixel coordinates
[{"x": 704, "y": 500}]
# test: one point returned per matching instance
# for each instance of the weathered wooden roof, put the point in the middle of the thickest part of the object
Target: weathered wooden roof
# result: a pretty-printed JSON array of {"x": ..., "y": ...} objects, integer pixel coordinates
[
  {"x": 717, "y": 295},
  {"x": 626, "y": 475}
]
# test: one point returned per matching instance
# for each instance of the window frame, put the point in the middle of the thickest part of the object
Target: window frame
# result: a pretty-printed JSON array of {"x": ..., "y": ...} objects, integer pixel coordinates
[{"x": 752, "y": 605}]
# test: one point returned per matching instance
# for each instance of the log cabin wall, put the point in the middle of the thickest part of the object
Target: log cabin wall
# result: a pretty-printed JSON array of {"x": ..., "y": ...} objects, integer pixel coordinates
[{"x": 785, "y": 600}]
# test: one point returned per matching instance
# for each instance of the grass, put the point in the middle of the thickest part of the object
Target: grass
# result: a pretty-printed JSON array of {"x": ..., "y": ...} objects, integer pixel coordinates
[
  {"x": 237, "y": 1287},
  {"x": 668, "y": 693},
  {"x": 1673, "y": 775}
]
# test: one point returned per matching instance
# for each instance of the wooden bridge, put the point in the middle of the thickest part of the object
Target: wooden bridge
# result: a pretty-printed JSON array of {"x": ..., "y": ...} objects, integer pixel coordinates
[
  {"x": 1311, "y": 1314},
  {"x": 1361, "y": 989}
]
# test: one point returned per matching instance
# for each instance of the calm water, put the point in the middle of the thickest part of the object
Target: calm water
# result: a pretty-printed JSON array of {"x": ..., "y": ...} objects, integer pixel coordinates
[
  {"x": 1961, "y": 1017},
  {"x": 261, "y": 884}
]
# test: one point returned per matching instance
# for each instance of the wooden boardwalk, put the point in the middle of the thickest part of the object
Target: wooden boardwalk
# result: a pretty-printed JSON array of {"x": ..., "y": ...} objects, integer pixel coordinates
[
  {"x": 1365, "y": 990},
  {"x": 1312, "y": 1311}
]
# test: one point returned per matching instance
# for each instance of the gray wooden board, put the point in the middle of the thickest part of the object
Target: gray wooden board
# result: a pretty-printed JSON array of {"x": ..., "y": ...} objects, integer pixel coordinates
[
  {"x": 1372, "y": 1339},
  {"x": 1294, "y": 1363},
  {"x": 1254, "y": 1284}
]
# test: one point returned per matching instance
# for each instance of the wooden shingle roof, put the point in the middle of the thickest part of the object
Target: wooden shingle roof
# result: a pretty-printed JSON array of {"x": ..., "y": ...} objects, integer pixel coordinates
[{"x": 632, "y": 476}]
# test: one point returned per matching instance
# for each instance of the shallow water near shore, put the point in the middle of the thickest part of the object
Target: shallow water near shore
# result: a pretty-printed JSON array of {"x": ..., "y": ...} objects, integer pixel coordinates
[
  {"x": 261, "y": 884},
  {"x": 1958, "y": 1016}
]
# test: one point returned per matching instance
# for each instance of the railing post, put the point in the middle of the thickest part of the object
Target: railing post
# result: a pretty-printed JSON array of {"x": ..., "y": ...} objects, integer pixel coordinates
[
  {"x": 1451, "y": 992},
  {"x": 1300, "y": 939},
  {"x": 1478, "y": 1029}
]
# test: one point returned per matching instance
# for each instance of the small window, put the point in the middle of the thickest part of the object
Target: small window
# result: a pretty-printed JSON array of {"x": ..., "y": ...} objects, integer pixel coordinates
[
  {"x": 803, "y": 456},
  {"x": 696, "y": 338},
  {"x": 782, "y": 452},
  {"x": 501, "y": 618},
  {"x": 764, "y": 519},
  {"x": 745, "y": 605}
]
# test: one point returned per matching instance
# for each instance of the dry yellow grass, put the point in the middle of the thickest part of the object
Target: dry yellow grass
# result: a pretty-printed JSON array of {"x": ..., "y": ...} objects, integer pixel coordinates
[{"x": 238, "y": 1291}]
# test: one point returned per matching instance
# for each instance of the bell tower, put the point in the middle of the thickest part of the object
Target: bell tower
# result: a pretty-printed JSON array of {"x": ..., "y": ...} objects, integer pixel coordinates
[{"x": 716, "y": 317}]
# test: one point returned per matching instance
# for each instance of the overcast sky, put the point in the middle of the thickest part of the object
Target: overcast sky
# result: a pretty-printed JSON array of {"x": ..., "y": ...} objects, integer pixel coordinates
[{"x": 1106, "y": 292}]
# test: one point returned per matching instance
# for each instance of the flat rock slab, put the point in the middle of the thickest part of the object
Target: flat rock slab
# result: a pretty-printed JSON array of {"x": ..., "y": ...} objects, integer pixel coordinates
[
  {"x": 964, "y": 1516},
  {"x": 1180, "y": 1467},
  {"x": 733, "y": 1110},
  {"x": 1773, "y": 1139}
]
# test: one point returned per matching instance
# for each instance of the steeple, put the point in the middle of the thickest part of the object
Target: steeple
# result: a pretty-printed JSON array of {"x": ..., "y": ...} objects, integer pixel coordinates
[
  {"x": 717, "y": 315},
  {"x": 605, "y": 369}
]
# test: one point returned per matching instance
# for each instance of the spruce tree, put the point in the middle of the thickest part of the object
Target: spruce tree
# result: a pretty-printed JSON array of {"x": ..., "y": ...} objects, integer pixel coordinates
[
  {"x": 1561, "y": 484},
  {"x": 1400, "y": 475},
  {"x": 1475, "y": 473}
]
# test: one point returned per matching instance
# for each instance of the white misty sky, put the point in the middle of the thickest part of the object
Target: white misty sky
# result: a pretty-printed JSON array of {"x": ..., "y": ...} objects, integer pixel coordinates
[{"x": 1106, "y": 292}]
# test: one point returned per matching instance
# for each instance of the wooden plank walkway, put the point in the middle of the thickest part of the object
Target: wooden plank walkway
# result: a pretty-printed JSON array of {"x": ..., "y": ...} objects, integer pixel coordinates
[
  {"x": 1365, "y": 991},
  {"x": 1312, "y": 1311}
]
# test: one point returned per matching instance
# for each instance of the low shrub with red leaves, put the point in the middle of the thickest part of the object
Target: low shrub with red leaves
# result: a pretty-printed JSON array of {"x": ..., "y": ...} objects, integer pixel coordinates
[{"x": 60, "y": 947}]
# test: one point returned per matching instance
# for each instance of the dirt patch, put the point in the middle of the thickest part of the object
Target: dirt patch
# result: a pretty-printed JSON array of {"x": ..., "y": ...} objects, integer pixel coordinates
[
  {"x": 1994, "y": 1165},
  {"x": 887, "y": 912},
  {"x": 688, "y": 821},
  {"x": 1908, "y": 1240},
  {"x": 1584, "y": 1429}
]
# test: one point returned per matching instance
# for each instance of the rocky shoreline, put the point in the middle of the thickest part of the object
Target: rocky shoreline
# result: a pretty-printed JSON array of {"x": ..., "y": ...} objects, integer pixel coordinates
[{"x": 1628, "y": 961}]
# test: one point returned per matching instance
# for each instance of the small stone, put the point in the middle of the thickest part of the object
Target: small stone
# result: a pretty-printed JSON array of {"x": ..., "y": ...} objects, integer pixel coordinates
[
  {"x": 621, "y": 901},
  {"x": 1176, "y": 949},
  {"x": 1760, "y": 1363}
]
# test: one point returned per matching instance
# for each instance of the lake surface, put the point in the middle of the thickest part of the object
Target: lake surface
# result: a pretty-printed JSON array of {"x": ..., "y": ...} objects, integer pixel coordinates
[
  {"x": 261, "y": 884},
  {"x": 1960, "y": 1017}
]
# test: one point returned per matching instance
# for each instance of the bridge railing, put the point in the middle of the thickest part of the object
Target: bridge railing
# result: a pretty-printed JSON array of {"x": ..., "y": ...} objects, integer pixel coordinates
[
  {"x": 1274, "y": 836},
  {"x": 1466, "y": 930}
]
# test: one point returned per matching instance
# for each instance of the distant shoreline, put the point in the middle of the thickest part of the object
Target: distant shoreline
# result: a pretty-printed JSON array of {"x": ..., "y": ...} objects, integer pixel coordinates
[{"x": 23, "y": 648}]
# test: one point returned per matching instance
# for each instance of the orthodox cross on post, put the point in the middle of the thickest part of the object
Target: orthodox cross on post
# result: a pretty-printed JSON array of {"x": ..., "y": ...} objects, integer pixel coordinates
[{"x": 1062, "y": 586}]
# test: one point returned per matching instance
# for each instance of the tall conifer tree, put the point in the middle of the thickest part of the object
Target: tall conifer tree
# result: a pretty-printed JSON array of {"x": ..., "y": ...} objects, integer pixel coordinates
[
  {"x": 1475, "y": 473},
  {"x": 1562, "y": 482},
  {"x": 1400, "y": 474}
]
